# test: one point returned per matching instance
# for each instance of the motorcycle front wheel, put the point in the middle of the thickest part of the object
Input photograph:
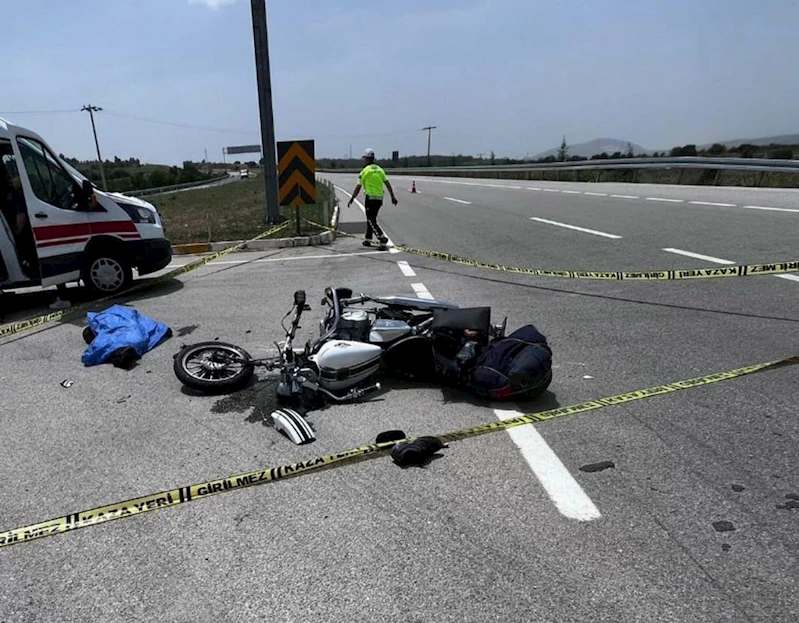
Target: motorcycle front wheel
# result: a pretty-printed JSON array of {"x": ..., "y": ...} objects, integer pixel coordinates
[{"x": 213, "y": 367}]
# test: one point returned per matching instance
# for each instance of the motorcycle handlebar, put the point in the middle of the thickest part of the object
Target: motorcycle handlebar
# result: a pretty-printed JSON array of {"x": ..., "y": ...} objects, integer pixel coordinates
[{"x": 356, "y": 301}]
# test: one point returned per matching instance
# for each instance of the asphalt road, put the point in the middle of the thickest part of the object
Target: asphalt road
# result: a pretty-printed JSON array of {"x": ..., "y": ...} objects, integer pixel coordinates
[{"x": 499, "y": 528}]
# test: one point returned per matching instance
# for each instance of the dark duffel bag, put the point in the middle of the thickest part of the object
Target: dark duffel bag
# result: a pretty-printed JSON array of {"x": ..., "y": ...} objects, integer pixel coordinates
[{"x": 514, "y": 367}]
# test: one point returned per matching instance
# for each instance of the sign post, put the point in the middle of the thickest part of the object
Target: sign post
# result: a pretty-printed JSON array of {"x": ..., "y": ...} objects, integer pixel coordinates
[
  {"x": 264, "y": 79},
  {"x": 296, "y": 175}
]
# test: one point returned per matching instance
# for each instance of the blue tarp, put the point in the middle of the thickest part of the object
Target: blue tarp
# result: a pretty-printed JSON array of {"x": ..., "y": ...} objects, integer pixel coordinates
[{"x": 121, "y": 327}]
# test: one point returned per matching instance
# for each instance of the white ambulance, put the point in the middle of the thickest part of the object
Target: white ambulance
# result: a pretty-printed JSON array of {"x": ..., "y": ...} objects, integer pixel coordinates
[{"x": 55, "y": 227}]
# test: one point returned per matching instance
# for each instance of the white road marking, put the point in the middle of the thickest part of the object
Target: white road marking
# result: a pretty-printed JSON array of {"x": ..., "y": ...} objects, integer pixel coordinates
[
  {"x": 406, "y": 269},
  {"x": 593, "y": 194},
  {"x": 771, "y": 209},
  {"x": 791, "y": 277},
  {"x": 285, "y": 259},
  {"x": 712, "y": 203},
  {"x": 421, "y": 291},
  {"x": 468, "y": 203},
  {"x": 574, "y": 227},
  {"x": 571, "y": 192},
  {"x": 564, "y": 491},
  {"x": 699, "y": 256},
  {"x": 391, "y": 248}
]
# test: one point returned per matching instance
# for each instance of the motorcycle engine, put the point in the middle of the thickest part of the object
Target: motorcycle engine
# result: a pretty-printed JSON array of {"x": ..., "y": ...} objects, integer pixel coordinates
[{"x": 354, "y": 325}]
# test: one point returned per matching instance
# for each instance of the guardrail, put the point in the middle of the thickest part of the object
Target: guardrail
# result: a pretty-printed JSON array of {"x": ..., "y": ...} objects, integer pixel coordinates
[
  {"x": 754, "y": 165},
  {"x": 165, "y": 189}
]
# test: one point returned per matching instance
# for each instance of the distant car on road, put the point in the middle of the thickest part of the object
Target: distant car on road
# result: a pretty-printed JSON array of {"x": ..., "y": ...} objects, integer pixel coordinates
[{"x": 244, "y": 173}]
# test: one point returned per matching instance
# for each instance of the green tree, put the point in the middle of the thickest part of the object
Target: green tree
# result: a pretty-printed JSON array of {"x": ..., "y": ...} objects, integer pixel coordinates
[
  {"x": 159, "y": 177},
  {"x": 781, "y": 153},
  {"x": 716, "y": 149},
  {"x": 746, "y": 150},
  {"x": 563, "y": 150}
]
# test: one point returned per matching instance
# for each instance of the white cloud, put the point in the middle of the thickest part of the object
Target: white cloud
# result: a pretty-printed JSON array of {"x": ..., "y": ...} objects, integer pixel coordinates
[{"x": 213, "y": 4}]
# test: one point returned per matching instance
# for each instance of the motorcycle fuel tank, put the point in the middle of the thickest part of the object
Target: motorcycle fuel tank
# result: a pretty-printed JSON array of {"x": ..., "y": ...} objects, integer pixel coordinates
[
  {"x": 343, "y": 364},
  {"x": 387, "y": 331},
  {"x": 354, "y": 325}
]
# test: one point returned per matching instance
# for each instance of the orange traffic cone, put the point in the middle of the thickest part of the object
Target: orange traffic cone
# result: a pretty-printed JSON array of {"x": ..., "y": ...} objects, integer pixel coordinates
[{"x": 413, "y": 188}]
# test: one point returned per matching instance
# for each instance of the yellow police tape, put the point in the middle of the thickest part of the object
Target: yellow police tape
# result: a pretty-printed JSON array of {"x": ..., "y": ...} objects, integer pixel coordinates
[
  {"x": 714, "y": 272},
  {"x": 30, "y": 323},
  {"x": 174, "y": 497}
]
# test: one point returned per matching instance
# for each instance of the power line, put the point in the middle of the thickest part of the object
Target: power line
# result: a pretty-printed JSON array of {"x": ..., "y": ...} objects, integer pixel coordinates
[
  {"x": 176, "y": 124},
  {"x": 40, "y": 112},
  {"x": 371, "y": 135}
]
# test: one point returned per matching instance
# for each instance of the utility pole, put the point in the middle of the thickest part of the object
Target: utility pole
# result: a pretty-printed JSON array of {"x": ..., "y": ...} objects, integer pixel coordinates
[
  {"x": 265, "y": 104},
  {"x": 429, "y": 129},
  {"x": 91, "y": 110}
]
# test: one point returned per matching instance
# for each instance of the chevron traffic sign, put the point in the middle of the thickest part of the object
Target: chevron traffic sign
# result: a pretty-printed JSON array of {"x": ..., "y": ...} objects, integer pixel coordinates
[{"x": 296, "y": 170}]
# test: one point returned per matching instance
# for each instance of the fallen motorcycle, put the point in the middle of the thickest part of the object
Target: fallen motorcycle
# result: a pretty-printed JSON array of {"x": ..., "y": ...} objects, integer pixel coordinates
[{"x": 361, "y": 336}]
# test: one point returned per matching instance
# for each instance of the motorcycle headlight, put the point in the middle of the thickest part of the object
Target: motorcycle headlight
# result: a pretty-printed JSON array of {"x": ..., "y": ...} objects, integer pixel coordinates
[{"x": 138, "y": 214}]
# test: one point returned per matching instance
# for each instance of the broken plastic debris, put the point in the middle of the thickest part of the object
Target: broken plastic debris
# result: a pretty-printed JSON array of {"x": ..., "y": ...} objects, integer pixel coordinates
[
  {"x": 598, "y": 467},
  {"x": 723, "y": 526}
]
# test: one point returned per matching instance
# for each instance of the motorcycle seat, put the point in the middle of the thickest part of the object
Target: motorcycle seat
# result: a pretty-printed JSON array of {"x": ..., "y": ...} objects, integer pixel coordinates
[{"x": 466, "y": 318}]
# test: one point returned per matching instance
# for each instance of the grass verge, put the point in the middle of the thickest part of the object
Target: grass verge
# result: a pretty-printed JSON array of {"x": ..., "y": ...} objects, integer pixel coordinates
[{"x": 235, "y": 211}]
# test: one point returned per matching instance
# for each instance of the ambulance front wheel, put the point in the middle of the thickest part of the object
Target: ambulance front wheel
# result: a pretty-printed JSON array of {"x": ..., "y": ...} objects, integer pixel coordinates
[{"x": 107, "y": 274}]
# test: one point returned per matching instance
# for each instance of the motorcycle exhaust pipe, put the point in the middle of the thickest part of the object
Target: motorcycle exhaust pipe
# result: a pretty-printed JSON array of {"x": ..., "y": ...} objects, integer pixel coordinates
[{"x": 352, "y": 394}]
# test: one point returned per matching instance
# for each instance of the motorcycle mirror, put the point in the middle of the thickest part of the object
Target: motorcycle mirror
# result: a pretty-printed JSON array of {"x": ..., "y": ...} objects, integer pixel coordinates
[{"x": 299, "y": 299}]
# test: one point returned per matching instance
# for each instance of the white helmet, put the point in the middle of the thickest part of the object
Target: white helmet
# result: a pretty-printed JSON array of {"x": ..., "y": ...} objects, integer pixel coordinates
[{"x": 369, "y": 153}]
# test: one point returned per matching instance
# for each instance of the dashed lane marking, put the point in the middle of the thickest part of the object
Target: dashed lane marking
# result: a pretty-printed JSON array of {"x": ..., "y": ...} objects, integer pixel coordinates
[
  {"x": 770, "y": 209},
  {"x": 421, "y": 291},
  {"x": 574, "y": 227},
  {"x": 406, "y": 269},
  {"x": 564, "y": 491},
  {"x": 699, "y": 256}
]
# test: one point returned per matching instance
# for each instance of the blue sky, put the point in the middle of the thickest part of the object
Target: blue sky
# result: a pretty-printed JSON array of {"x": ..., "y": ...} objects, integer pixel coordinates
[{"x": 511, "y": 76}]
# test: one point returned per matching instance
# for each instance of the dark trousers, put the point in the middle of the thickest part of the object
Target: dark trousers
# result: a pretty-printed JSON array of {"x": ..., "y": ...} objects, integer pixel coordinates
[{"x": 372, "y": 208}]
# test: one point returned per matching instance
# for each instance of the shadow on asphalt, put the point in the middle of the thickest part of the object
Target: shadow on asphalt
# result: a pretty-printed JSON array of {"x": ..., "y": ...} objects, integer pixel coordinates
[
  {"x": 22, "y": 305},
  {"x": 353, "y": 228}
]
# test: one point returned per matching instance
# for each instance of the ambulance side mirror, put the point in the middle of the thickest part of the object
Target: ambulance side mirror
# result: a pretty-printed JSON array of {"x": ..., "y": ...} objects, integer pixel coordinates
[{"x": 89, "y": 198}]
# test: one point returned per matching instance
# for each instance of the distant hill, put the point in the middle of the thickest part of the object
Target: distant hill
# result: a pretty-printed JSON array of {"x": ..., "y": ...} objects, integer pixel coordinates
[
  {"x": 597, "y": 146},
  {"x": 782, "y": 139}
]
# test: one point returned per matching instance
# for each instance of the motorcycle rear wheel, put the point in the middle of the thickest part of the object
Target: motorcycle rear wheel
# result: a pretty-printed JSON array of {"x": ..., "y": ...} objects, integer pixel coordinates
[{"x": 213, "y": 367}]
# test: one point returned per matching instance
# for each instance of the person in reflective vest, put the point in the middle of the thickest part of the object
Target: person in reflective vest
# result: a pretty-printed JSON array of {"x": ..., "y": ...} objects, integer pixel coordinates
[{"x": 372, "y": 179}]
